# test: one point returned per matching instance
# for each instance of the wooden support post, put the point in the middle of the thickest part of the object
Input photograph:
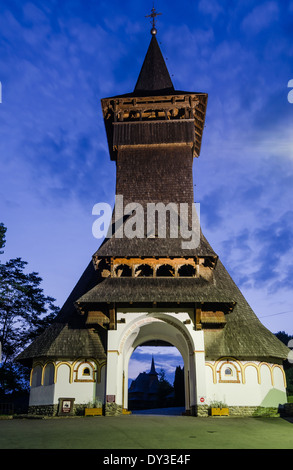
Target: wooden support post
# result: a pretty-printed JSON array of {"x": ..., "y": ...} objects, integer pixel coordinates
[
  {"x": 112, "y": 315},
  {"x": 197, "y": 318},
  {"x": 112, "y": 267}
]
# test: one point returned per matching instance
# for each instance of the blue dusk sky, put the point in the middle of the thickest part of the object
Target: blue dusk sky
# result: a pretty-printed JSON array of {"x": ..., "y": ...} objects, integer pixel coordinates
[{"x": 59, "y": 58}]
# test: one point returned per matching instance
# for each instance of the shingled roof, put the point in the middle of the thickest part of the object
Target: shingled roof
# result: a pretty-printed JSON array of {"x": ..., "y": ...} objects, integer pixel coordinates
[
  {"x": 69, "y": 336},
  {"x": 161, "y": 247},
  {"x": 154, "y": 74},
  {"x": 244, "y": 336},
  {"x": 149, "y": 290}
]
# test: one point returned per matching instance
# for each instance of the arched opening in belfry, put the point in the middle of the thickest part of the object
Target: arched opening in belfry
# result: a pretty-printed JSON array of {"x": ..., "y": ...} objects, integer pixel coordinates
[
  {"x": 186, "y": 270},
  {"x": 156, "y": 379},
  {"x": 123, "y": 270},
  {"x": 144, "y": 270},
  {"x": 165, "y": 270}
]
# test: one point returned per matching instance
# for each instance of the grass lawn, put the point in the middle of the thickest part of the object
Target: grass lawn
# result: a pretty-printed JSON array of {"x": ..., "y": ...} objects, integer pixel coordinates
[{"x": 146, "y": 432}]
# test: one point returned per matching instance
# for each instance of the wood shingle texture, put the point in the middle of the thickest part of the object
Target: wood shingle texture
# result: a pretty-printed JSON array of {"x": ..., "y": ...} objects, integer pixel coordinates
[
  {"x": 154, "y": 74},
  {"x": 69, "y": 336},
  {"x": 243, "y": 336},
  {"x": 159, "y": 247}
]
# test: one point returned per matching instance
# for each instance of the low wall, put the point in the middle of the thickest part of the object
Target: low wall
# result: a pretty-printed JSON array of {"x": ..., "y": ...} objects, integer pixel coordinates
[
  {"x": 43, "y": 410},
  {"x": 203, "y": 411},
  {"x": 112, "y": 409},
  {"x": 243, "y": 411}
]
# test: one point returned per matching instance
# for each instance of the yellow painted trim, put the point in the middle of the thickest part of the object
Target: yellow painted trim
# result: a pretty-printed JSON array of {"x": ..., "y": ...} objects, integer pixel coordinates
[
  {"x": 256, "y": 366},
  {"x": 55, "y": 373},
  {"x": 243, "y": 368},
  {"x": 113, "y": 351},
  {"x": 86, "y": 364},
  {"x": 283, "y": 373},
  {"x": 212, "y": 366},
  {"x": 44, "y": 367},
  {"x": 83, "y": 359},
  {"x": 99, "y": 370},
  {"x": 96, "y": 367},
  {"x": 84, "y": 380},
  {"x": 31, "y": 376},
  {"x": 36, "y": 364},
  {"x": 270, "y": 369},
  {"x": 61, "y": 363},
  {"x": 232, "y": 365},
  {"x": 226, "y": 360}
]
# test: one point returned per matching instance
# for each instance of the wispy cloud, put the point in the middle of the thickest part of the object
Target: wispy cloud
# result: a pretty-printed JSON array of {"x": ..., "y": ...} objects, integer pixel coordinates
[{"x": 261, "y": 17}]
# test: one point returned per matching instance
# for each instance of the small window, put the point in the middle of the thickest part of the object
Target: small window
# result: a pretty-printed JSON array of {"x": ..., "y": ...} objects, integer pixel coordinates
[
  {"x": 229, "y": 373},
  {"x": 85, "y": 372}
]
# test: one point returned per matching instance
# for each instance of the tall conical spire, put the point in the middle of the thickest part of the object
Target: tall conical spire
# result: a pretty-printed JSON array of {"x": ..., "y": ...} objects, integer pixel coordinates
[
  {"x": 154, "y": 75},
  {"x": 153, "y": 369}
]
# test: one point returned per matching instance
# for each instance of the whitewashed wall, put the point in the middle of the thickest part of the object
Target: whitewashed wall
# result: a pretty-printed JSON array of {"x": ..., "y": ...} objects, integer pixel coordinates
[
  {"x": 61, "y": 379},
  {"x": 255, "y": 384}
]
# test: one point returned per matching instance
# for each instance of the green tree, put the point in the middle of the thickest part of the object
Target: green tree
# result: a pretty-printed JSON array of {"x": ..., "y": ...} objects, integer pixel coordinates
[
  {"x": 284, "y": 337},
  {"x": 288, "y": 366},
  {"x": 179, "y": 390},
  {"x": 2, "y": 237},
  {"x": 24, "y": 313},
  {"x": 164, "y": 389}
]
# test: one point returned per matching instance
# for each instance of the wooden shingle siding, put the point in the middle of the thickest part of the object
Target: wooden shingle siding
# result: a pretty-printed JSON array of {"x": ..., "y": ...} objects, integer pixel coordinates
[
  {"x": 153, "y": 132},
  {"x": 162, "y": 174}
]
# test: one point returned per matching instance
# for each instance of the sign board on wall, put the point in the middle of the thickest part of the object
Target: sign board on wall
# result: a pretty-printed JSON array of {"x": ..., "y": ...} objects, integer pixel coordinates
[{"x": 65, "y": 406}]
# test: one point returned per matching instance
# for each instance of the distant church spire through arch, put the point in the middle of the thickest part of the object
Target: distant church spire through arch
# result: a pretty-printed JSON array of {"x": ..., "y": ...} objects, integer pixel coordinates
[{"x": 153, "y": 369}]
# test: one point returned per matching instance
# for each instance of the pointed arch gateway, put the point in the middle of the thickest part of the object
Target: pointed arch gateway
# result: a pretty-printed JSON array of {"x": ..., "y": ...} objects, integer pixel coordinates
[{"x": 146, "y": 327}]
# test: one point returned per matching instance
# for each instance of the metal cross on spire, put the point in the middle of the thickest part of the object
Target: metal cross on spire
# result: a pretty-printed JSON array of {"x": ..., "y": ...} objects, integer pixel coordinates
[{"x": 153, "y": 16}]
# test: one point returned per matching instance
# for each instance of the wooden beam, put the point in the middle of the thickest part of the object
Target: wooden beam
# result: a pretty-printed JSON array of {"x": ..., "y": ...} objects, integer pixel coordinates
[
  {"x": 197, "y": 318},
  {"x": 112, "y": 316}
]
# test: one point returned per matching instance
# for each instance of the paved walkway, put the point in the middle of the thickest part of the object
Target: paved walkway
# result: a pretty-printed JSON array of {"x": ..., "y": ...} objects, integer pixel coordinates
[
  {"x": 161, "y": 411},
  {"x": 146, "y": 432}
]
